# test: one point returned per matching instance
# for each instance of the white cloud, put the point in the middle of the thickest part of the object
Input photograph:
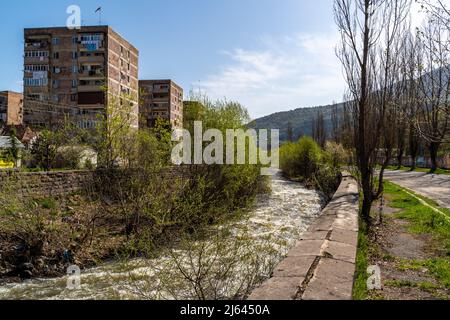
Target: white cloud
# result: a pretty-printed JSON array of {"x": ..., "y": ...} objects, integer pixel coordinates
[{"x": 296, "y": 71}]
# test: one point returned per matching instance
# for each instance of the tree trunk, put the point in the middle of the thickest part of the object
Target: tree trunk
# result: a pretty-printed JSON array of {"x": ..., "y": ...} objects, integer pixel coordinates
[
  {"x": 367, "y": 195},
  {"x": 413, "y": 162},
  {"x": 413, "y": 146},
  {"x": 400, "y": 158},
  {"x": 366, "y": 206},
  {"x": 434, "y": 147}
]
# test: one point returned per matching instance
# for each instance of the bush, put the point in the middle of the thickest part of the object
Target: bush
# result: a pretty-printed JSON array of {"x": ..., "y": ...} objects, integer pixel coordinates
[
  {"x": 336, "y": 154},
  {"x": 307, "y": 162},
  {"x": 301, "y": 159},
  {"x": 67, "y": 158}
]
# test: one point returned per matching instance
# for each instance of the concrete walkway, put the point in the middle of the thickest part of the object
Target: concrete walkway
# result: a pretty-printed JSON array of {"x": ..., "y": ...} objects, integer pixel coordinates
[
  {"x": 322, "y": 264},
  {"x": 433, "y": 186}
]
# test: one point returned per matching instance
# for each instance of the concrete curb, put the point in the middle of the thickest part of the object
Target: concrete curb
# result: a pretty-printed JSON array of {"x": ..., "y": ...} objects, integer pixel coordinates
[{"x": 322, "y": 264}]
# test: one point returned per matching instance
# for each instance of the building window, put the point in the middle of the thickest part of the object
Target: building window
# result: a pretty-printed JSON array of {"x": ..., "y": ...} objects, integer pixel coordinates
[
  {"x": 55, "y": 55},
  {"x": 36, "y": 54},
  {"x": 55, "y": 41},
  {"x": 35, "y": 68},
  {"x": 73, "y": 97},
  {"x": 74, "y": 83},
  {"x": 30, "y": 82},
  {"x": 91, "y": 37},
  {"x": 75, "y": 40},
  {"x": 55, "y": 83},
  {"x": 74, "y": 55},
  {"x": 74, "y": 69}
]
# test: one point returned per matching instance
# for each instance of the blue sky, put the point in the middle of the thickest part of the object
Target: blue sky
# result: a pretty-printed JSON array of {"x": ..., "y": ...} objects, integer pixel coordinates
[{"x": 269, "y": 55}]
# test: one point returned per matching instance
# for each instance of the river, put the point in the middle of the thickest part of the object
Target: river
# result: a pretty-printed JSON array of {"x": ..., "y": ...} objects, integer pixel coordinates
[{"x": 244, "y": 256}]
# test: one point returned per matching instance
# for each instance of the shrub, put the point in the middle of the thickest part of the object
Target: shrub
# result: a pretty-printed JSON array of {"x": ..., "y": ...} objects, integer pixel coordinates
[
  {"x": 301, "y": 159},
  {"x": 336, "y": 153},
  {"x": 307, "y": 162},
  {"x": 67, "y": 158}
]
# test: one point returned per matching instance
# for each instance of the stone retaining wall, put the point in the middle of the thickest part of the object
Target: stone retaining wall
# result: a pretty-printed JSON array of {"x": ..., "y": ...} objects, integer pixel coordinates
[
  {"x": 51, "y": 184},
  {"x": 44, "y": 184},
  {"x": 322, "y": 264}
]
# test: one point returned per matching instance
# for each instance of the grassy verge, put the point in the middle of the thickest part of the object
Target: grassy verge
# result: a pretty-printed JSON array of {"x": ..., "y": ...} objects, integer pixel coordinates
[
  {"x": 421, "y": 220},
  {"x": 360, "y": 285},
  {"x": 425, "y": 170}
]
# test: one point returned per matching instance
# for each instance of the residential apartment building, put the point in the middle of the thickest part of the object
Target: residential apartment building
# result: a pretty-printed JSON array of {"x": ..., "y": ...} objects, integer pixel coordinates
[
  {"x": 160, "y": 99},
  {"x": 11, "y": 108},
  {"x": 73, "y": 74}
]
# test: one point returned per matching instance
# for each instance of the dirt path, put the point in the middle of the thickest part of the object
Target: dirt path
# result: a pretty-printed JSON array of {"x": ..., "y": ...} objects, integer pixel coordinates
[
  {"x": 433, "y": 186},
  {"x": 402, "y": 257}
]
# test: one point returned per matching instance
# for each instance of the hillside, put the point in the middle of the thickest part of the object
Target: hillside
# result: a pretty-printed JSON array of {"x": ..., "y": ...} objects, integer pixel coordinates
[{"x": 301, "y": 120}]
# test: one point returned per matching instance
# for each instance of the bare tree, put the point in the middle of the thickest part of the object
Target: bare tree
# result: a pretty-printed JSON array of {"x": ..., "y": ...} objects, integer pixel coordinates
[
  {"x": 433, "y": 115},
  {"x": 369, "y": 30},
  {"x": 320, "y": 134},
  {"x": 411, "y": 61},
  {"x": 335, "y": 123},
  {"x": 438, "y": 10}
]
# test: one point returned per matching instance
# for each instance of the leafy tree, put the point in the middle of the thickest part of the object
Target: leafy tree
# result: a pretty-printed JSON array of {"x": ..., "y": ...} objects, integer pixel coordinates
[
  {"x": 44, "y": 149},
  {"x": 116, "y": 129}
]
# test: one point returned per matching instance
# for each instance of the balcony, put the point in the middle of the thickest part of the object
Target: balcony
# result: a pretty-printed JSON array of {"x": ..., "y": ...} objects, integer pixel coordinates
[
  {"x": 37, "y": 60},
  {"x": 92, "y": 74},
  {"x": 89, "y": 88},
  {"x": 91, "y": 59},
  {"x": 37, "y": 45},
  {"x": 90, "y": 48},
  {"x": 161, "y": 100},
  {"x": 161, "y": 90}
]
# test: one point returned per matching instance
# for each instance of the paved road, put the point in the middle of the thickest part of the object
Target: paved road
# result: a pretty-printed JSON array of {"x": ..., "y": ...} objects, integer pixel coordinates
[{"x": 432, "y": 186}]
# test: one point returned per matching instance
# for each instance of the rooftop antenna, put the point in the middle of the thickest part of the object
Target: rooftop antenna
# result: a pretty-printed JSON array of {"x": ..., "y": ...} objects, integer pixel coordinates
[{"x": 99, "y": 10}]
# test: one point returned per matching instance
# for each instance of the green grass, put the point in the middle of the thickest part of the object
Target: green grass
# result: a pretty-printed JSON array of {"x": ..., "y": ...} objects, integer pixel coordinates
[
  {"x": 439, "y": 268},
  {"x": 425, "y": 170},
  {"x": 360, "y": 285},
  {"x": 423, "y": 220},
  {"x": 47, "y": 203},
  {"x": 423, "y": 285}
]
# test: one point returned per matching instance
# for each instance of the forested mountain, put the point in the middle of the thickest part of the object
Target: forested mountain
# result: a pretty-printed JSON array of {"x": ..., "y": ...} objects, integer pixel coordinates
[{"x": 301, "y": 120}]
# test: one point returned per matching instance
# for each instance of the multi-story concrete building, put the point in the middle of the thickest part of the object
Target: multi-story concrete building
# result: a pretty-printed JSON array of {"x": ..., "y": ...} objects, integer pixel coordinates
[
  {"x": 11, "y": 108},
  {"x": 74, "y": 73},
  {"x": 160, "y": 99}
]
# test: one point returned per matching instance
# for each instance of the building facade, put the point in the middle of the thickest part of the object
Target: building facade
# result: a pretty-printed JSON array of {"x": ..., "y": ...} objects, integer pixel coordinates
[
  {"x": 160, "y": 99},
  {"x": 73, "y": 74},
  {"x": 11, "y": 108}
]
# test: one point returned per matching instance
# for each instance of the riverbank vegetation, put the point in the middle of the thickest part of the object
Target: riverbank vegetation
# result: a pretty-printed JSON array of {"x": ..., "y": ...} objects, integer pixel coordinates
[
  {"x": 137, "y": 206},
  {"x": 307, "y": 162}
]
